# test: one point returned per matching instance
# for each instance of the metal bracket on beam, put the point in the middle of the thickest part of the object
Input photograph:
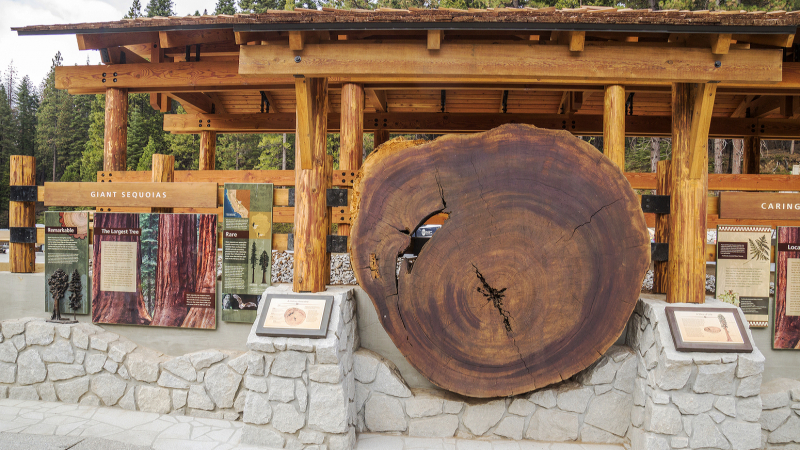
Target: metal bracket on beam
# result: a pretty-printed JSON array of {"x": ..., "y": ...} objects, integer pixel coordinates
[
  {"x": 336, "y": 244},
  {"x": 290, "y": 242},
  {"x": 291, "y": 197},
  {"x": 505, "y": 101},
  {"x": 22, "y": 235},
  {"x": 659, "y": 251},
  {"x": 658, "y": 204},
  {"x": 336, "y": 198},
  {"x": 264, "y": 101},
  {"x": 23, "y": 193},
  {"x": 629, "y": 104},
  {"x": 444, "y": 99}
]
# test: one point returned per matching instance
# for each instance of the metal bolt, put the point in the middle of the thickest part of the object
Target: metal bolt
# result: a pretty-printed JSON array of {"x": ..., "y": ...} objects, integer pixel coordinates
[
  {"x": 104, "y": 75},
  {"x": 115, "y": 73},
  {"x": 297, "y": 59},
  {"x": 104, "y": 80},
  {"x": 717, "y": 64},
  {"x": 115, "y": 80}
]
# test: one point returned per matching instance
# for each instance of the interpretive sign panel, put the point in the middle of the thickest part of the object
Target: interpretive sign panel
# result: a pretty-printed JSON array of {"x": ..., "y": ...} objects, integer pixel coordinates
[
  {"x": 295, "y": 315},
  {"x": 787, "y": 289},
  {"x": 707, "y": 330},
  {"x": 743, "y": 263},
  {"x": 155, "y": 269},
  {"x": 247, "y": 249},
  {"x": 66, "y": 247},
  {"x": 150, "y": 195},
  {"x": 759, "y": 205}
]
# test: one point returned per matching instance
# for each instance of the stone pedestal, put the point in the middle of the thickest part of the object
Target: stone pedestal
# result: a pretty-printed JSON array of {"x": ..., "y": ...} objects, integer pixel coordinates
[
  {"x": 301, "y": 391},
  {"x": 691, "y": 400}
]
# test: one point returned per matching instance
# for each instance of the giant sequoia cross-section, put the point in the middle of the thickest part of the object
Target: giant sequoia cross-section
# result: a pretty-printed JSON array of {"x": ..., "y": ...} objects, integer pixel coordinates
[{"x": 532, "y": 276}]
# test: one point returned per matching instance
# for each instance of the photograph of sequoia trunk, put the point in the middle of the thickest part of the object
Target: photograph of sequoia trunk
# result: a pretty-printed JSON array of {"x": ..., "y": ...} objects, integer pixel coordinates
[
  {"x": 155, "y": 269},
  {"x": 787, "y": 290},
  {"x": 533, "y": 275}
]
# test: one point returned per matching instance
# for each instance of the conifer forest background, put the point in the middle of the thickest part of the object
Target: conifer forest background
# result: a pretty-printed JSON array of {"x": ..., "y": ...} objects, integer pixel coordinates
[{"x": 65, "y": 132}]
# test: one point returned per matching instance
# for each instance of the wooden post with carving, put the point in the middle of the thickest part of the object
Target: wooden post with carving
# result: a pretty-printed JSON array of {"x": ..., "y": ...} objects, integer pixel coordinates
[
  {"x": 208, "y": 150},
  {"x": 614, "y": 125},
  {"x": 351, "y": 134},
  {"x": 311, "y": 181},
  {"x": 663, "y": 187},
  {"x": 115, "y": 138},
  {"x": 22, "y": 217},
  {"x": 163, "y": 172},
  {"x": 692, "y": 105}
]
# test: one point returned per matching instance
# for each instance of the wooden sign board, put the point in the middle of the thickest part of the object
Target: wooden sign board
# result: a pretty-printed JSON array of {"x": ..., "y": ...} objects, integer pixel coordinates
[
  {"x": 787, "y": 290},
  {"x": 743, "y": 263},
  {"x": 759, "y": 205},
  {"x": 708, "y": 330},
  {"x": 295, "y": 315},
  {"x": 149, "y": 195}
]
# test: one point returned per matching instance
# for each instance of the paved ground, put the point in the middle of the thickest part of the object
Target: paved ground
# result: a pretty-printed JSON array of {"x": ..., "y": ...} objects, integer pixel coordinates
[{"x": 26, "y": 425}]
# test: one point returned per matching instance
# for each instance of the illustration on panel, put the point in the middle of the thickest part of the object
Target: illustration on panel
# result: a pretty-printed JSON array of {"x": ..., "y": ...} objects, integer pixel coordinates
[
  {"x": 155, "y": 269},
  {"x": 66, "y": 261},
  {"x": 787, "y": 290},
  {"x": 247, "y": 249}
]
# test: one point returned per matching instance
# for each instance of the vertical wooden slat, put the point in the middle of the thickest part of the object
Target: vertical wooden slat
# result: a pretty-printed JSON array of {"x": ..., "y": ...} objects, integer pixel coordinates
[
  {"x": 115, "y": 145},
  {"x": 380, "y": 136},
  {"x": 614, "y": 125},
  {"x": 663, "y": 187},
  {"x": 208, "y": 150},
  {"x": 163, "y": 172},
  {"x": 691, "y": 106},
  {"x": 311, "y": 212},
  {"x": 22, "y": 256},
  {"x": 752, "y": 155},
  {"x": 351, "y": 134}
]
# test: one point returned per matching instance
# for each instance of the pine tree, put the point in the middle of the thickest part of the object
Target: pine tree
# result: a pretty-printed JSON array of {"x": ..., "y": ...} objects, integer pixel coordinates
[
  {"x": 27, "y": 105},
  {"x": 76, "y": 299},
  {"x": 91, "y": 160},
  {"x": 144, "y": 124},
  {"x": 225, "y": 7},
  {"x": 7, "y": 148},
  {"x": 258, "y": 6},
  {"x": 253, "y": 261},
  {"x": 160, "y": 8},
  {"x": 135, "y": 11}
]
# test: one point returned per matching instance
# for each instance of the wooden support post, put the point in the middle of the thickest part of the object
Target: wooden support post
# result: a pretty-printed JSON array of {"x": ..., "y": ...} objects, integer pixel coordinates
[
  {"x": 115, "y": 146},
  {"x": 163, "y": 172},
  {"x": 351, "y": 134},
  {"x": 380, "y": 137},
  {"x": 208, "y": 150},
  {"x": 663, "y": 187},
  {"x": 692, "y": 105},
  {"x": 614, "y": 125},
  {"x": 22, "y": 256},
  {"x": 311, "y": 180},
  {"x": 752, "y": 155}
]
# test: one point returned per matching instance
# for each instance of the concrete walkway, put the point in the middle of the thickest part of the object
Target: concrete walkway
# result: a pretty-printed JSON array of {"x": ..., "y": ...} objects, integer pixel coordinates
[{"x": 38, "y": 425}]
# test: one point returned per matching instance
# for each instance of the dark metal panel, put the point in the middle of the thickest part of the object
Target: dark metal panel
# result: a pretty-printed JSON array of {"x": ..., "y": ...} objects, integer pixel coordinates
[
  {"x": 291, "y": 196},
  {"x": 336, "y": 198},
  {"x": 23, "y": 193},
  {"x": 336, "y": 244},
  {"x": 658, "y": 204},
  {"x": 22, "y": 235},
  {"x": 290, "y": 242},
  {"x": 659, "y": 251}
]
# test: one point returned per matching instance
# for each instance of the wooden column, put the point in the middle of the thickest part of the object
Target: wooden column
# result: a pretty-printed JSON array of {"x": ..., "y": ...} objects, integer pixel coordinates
[
  {"x": 208, "y": 150},
  {"x": 663, "y": 187},
  {"x": 163, "y": 172},
  {"x": 752, "y": 155},
  {"x": 614, "y": 125},
  {"x": 311, "y": 180},
  {"x": 381, "y": 136},
  {"x": 115, "y": 145},
  {"x": 351, "y": 134},
  {"x": 692, "y": 105},
  {"x": 22, "y": 256}
]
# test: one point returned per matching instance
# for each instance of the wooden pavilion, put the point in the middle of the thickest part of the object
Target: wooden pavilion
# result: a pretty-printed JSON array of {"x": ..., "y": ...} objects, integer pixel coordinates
[{"x": 690, "y": 75}]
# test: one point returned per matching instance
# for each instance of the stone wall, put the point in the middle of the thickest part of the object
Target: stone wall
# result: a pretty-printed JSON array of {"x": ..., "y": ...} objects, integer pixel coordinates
[
  {"x": 780, "y": 424},
  {"x": 594, "y": 406},
  {"x": 691, "y": 400},
  {"x": 83, "y": 363}
]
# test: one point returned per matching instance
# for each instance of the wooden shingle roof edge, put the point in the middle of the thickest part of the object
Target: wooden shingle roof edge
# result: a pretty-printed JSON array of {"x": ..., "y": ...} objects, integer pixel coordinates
[{"x": 585, "y": 18}]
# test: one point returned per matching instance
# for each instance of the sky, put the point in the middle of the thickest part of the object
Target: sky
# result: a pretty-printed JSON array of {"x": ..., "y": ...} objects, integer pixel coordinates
[{"x": 33, "y": 55}]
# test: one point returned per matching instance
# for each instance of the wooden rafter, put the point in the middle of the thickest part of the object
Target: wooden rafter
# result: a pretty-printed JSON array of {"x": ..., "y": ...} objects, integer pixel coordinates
[
  {"x": 765, "y": 105},
  {"x": 170, "y": 39},
  {"x": 116, "y": 55},
  {"x": 720, "y": 43},
  {"x": 435, "y": 38},
  {"x": 776, "y": 40},
  {"x": 378, "y": 99},
  {"x": 196, "y": 102},
  {"x": 599, "y": 61},
  {"x": 574, "y": 39},
  {"x": 219, "y": 108},
  {"x": 741, "y": 110},
  {"x": 106, "y": 40}
]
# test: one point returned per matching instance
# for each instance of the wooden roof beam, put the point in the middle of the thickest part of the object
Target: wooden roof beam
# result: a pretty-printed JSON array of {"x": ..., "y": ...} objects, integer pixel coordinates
[
  {"x": 195, "y": 102},
  {"x": 297, "y": 40},
  {"x": 409, "y": 62},
  {"x": 765, "y": 105},
  {"x": 741, "y": 110},
  {"x": 378, "y": 99},
  {"x": 775, "y": 40},
  {"x": 575, "y": 39},
  {"x": 435, "y": 38},
  {"x": 720, "y": 43},
  {"x": 170, "y": 39},
  {"x": 584, "y": 124},
  {"x": 106, "y": 40},
  {"x": 216, "y": 99},
  {"x": 120, "y": 55}
]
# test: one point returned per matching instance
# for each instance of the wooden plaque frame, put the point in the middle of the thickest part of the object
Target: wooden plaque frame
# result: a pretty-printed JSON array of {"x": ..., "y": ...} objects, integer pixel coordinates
[
  {"x": 289, "y": 331},
  {"x": 683, "y": 345}
]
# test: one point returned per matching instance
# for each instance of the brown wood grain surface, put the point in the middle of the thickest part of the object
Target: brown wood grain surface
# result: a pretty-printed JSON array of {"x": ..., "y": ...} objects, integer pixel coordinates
[
  {"x": 787, "y": 328},
  {"x": 149, "y": 195},
  {"x": 759, "y": 205},
  {"x": 115, "y": 138},
  {"x": 529, "y": 280},
  {"x": 21, "y": 256}
]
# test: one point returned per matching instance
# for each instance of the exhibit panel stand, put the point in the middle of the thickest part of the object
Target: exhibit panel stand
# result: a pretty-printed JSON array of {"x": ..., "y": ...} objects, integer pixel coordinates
[{"x": 305, "y": 396}]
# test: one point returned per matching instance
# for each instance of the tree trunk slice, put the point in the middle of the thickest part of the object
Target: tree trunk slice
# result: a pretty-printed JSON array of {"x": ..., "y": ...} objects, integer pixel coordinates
[{"x": 530, "y": 280}]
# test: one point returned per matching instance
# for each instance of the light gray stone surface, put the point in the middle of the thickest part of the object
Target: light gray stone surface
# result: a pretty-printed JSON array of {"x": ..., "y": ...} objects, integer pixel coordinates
[
  {"x": 479, "y": 418},
  {"x": 109, "y": 388},
  {"x": 30, "y": 368},
  {"x": 384, "y": 413},
  {"x": 222, "y": 383},
  {"x": 153, "y": 399}
]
